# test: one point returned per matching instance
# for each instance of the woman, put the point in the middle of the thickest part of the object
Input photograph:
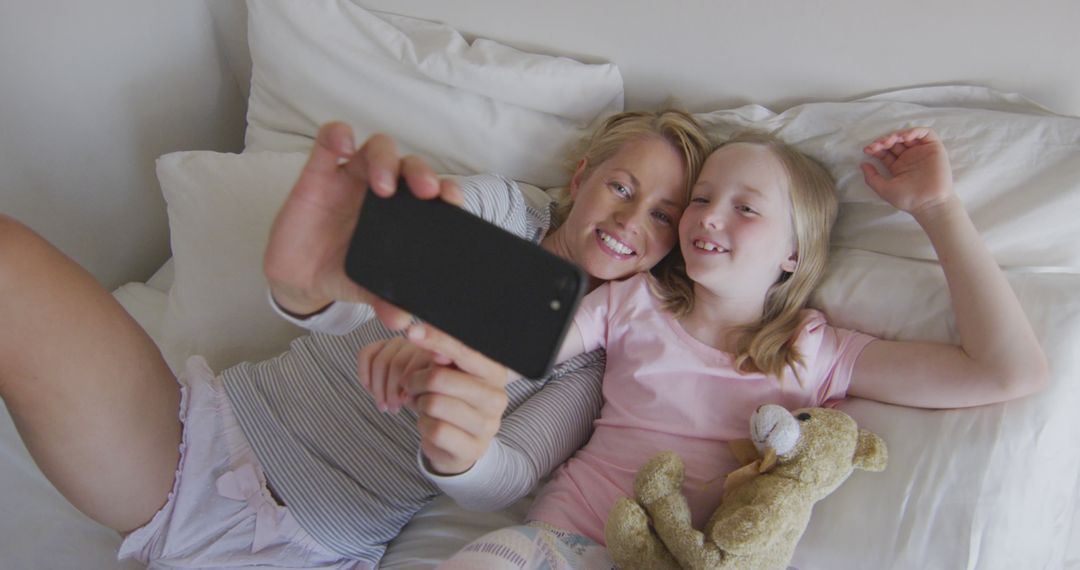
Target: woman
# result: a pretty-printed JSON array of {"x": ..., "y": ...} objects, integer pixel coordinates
[{"x": 96, "y": 404}]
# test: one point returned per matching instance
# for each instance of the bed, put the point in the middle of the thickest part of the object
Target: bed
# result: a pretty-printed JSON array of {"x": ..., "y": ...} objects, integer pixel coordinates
[{"x": 506, "y": 87}]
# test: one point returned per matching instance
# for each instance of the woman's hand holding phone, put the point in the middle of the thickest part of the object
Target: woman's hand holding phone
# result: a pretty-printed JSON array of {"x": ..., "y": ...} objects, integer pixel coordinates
[
  {"x": 305, "y": 256},
  {"x": 459, "y": 395}
]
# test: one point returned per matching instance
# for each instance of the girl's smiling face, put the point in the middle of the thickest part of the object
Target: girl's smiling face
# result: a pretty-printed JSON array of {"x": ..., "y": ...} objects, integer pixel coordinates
[
  {"x": 626, "y": 210},
  {"x": 736, "y": 234}
]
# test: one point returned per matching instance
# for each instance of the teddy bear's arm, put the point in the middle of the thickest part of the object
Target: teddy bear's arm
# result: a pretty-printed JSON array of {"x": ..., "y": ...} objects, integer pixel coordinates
[
  {"x": 631, "y": 543},
  {"x": 758, "y": 523}
]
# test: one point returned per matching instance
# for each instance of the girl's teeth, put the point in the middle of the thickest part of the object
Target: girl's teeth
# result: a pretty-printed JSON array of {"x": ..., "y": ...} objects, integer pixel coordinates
[{"x": 706, "y": 245}]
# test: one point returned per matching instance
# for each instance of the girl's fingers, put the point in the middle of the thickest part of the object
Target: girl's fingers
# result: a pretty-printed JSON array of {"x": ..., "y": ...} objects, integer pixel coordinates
[
  {"x": 917, "y": 135},
  {"x": 873, "y": 178},
  {"x": 887, "y": 158},
  {"x": 906, "y": 138}
]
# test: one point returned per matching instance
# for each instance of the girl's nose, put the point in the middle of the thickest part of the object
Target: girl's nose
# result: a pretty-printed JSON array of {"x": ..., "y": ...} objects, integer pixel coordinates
[{"x": 712, "y": 219}]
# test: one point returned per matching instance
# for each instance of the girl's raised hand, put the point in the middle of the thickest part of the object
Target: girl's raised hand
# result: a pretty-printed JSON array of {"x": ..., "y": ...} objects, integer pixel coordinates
[
  {"x": 920, "y": 176},
  {"x": 305, "y": 257}
]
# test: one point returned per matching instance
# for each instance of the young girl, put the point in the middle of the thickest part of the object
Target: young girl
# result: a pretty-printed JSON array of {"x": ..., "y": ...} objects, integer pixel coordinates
[{"x": 694, "y": 351}]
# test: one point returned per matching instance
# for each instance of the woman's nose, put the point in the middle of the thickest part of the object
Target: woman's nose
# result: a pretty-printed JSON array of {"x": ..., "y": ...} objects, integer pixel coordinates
[{"x": 632, "y": 216}]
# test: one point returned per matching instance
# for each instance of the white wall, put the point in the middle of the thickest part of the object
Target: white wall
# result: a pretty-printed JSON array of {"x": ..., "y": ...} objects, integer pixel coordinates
[{"x": 90, "y": 94}]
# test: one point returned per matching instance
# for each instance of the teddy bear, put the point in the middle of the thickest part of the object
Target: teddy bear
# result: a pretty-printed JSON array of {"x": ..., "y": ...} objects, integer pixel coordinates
[{"x": 766, "y": 505}]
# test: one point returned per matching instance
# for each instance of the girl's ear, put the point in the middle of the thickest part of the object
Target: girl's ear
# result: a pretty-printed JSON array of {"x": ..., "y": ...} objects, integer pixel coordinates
[
  {"x": 790, "y": 263},
  {"x": 579, "y": 174}
]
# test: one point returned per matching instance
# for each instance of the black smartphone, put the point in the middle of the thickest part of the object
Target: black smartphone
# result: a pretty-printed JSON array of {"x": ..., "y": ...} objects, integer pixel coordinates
[{"x": 502, "y": 295}]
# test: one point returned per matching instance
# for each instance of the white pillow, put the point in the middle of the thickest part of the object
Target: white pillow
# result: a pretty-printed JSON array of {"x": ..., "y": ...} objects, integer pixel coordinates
[
  {"x": 465, "y": 107},
  {"x": 221, "y": 207},
  {"x": 994, "y": 485},
  {"x": 220, "y": 210},
  {"x": 1016, "y": 167}
]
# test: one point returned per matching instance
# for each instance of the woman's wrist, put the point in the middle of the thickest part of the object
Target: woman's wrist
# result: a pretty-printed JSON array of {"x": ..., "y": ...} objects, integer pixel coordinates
[
  {"x": 301, "y": 310},
  {"x": 453, "y": 469}
]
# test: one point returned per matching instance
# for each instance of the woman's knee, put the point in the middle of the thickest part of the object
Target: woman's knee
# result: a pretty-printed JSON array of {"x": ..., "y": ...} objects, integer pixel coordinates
[
  {"x": 18, "y": 246},
  {"x": 12, "y": 229}
]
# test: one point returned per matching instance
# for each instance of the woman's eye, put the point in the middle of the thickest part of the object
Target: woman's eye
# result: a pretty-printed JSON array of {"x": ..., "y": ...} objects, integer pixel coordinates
[{"x": 663, "y": 218}]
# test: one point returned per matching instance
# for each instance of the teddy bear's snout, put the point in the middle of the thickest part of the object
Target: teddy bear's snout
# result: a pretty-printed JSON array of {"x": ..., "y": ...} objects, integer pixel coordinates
[{"x": 773, "y": 427}]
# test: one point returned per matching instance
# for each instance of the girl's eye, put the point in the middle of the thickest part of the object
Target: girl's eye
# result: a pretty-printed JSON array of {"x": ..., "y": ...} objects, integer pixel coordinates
[
  {"x": 620, "y": 189},
  {"x": 745, "y": 209},
  {"x": 699, "y": 200}
]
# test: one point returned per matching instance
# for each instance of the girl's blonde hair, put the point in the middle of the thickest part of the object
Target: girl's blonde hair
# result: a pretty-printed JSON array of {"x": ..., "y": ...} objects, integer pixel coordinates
[
  {"x": 673, "y": 125},
  {"x": 767, "y": 346}
]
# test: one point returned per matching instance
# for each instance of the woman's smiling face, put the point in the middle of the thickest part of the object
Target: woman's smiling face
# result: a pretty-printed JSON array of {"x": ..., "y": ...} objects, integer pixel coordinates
[{"x": 626, "y": 210}]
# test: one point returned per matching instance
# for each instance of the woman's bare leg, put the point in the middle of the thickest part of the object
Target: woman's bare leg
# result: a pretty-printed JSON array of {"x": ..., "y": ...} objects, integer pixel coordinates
[{"x": 89, "y": 392}]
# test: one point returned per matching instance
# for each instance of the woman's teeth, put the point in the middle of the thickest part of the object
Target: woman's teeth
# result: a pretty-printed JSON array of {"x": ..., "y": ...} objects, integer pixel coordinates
[{"x": 615, "y": 245}]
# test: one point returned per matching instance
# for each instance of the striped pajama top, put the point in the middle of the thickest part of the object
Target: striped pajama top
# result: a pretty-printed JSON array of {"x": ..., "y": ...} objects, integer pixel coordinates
[{"x": 348, "y": 472}]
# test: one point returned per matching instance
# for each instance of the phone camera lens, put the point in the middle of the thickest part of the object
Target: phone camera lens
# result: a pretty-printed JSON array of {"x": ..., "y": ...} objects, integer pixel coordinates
[{"x": 566, "y": 284}]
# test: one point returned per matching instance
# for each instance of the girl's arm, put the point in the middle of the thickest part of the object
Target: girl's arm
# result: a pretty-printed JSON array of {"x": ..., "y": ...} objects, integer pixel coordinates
[{"x": 998, "y": 358}]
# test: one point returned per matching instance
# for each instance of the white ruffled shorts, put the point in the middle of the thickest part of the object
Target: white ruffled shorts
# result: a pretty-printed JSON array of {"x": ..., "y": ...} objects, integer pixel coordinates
[{"x": 220, "y": 513}]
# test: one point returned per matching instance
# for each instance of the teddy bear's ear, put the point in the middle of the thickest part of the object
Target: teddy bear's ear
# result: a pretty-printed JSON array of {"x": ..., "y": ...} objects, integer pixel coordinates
[{"x": 870, "y": 453}]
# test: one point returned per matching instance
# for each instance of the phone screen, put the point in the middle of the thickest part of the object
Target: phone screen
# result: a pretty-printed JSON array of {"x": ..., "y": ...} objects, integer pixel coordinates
[{"x": 502, "y": 295}]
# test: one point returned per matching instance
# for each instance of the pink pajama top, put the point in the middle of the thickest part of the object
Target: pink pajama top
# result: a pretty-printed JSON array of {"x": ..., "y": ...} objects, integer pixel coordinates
[{"x": 665, "y": 390}]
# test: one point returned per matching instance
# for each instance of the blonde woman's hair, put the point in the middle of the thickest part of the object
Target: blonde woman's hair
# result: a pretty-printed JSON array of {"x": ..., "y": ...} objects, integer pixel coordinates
[
  {"x": 674, "y": 125},
  {"x": 767, "y": 346}
]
